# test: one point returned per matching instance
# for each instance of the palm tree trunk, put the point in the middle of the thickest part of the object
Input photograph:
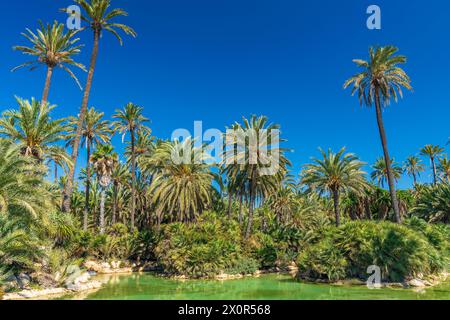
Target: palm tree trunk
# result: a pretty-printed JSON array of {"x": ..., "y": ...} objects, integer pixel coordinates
[
  {"x": 82, "y": 116},
  {"x": 387, "y": 158},
  {"x": 48, "y": 81},
  {"x": 133, "y": 179},
  {"x": 433, "y": 163},
  {"x": 230, "y": 199},
  {"x": 88, "y": 186},
  {"x": 56, "y": 173},
  {"x": 241, "y": 200},
  {"x": 102, "y": 211},
  {"x": 114, "y": 205},
  {"x": 415, "y": 179},
  {"x": 337, "y": 210},
  {"x": 251, "y": 204}
]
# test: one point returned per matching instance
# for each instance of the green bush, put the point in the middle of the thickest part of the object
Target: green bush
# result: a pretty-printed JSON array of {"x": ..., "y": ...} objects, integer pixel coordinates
[
  {"x": 209, "y": 247},
  {"x": 347, "y": 252},
  {"x": 117, "y": 243}
]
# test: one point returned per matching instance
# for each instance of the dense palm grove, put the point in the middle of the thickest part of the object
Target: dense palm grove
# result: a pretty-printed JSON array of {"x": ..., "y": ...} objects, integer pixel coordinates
[{"x": 333, "y": 220}]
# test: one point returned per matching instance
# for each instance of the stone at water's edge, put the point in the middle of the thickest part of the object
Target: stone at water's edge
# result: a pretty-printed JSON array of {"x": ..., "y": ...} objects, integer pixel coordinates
[{"x": 107, "y": 268}]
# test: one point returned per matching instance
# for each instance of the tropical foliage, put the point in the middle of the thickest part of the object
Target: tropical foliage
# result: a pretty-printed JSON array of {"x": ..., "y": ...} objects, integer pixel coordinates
[{"x": 166, "y": 201}]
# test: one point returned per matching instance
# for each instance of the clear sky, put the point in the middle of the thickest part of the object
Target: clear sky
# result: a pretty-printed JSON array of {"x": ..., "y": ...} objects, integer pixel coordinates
[{"x": 216, "y": 61}]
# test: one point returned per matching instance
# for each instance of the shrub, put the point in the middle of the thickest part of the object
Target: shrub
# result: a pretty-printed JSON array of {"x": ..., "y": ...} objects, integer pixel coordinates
[
  {"x": 346, "y": 252},
  {"x": 209, "y": 247}
]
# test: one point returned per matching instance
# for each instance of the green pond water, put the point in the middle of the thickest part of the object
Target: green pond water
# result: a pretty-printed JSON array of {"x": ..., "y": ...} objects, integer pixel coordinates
[{"x": 268, "y": 287}]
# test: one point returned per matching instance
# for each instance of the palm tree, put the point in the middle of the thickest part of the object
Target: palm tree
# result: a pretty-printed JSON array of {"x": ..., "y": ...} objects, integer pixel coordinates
[
  {"x": 380, "y": 81},
  {"x": 21, "y": 189},
  {"x": 433, "y": 152},
  {"x": 433, "y": 204},
  {"x": 54, "y": 49},
  {"x": 120, "y": 178},
  {"x": 60, "y": 158},
  {"x": 33, "y": 129},
  {"x": 129, "y": 121},
  {"x": 413, "y": 167},
  {"x": 95, "y": 132},
  {"x": 380, "y": 173},
  {"x": 99, "y": 18},
  {"x": 250, "y": 165},
  {"x": 104, "y": 161},
  {"x": 184, "y": 190},
  {"x": 335, "y": 173},
  {"x": 444, "y": 168}
]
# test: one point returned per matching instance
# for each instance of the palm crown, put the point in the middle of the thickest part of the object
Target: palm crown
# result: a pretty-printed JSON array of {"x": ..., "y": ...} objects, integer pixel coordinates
[
  {"x": 32, "y": 127},
  {"x": 380, "y": 175},
  {"x": 381, "y": 74},
  {"x": 53, "y": 48},
  {"x": 99, "y": 17}
]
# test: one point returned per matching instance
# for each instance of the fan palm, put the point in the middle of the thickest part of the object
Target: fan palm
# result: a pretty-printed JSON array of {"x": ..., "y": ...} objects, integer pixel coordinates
[
  {"x": 33, "y": 129},
  {"x": 54, "y": 49},
  {"x": 95, "y": 131},
  {"x": 100, "y": 18},
  {"x": 414, "y": 167},
  {"x": 381, "y": 81},
  {"x": 335, "y": 173},
  {"x": 129, "y": 121},
  {"x": 433, "y": 203},
  {"x": 380, "y": 172},
  {"x": 104, "y": 161},
  {"x": 432, "y": 152}
]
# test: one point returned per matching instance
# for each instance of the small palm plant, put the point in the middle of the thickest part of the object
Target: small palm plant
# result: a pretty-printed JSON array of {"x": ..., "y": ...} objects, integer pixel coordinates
[
  {"x": 413, "y": 167},
  {"x": 380, "y": 81},
  {"x": 433, "y": 152},
  {"x": 54, "y": 49},
  {"x": 104, "y": 161},
  {"x": 335, "y": 173}
]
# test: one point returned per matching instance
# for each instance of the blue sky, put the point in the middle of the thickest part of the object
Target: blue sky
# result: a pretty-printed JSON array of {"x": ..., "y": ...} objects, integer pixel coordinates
[{"x": 216, "y": 61}]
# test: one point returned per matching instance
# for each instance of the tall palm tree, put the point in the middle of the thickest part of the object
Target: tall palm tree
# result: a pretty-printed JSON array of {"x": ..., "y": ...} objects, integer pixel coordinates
[
  {"x": 414, "y": 167},
  {"x": 444, "y": 168},
  {"x": 335, "y": 173},
  {"x": 129, "y": 121},
  {"x": 120, "y": 177},
  {"x": 99, "y": 18},
  {"x": 249, "y": 166},
  {"x": 54, "y": 49},
  {"x": 432, "y": 152},
  {"x": 95, "y": 131},
  {"x": 104, "y": 161},
  {"x": 380, "y": 172},
  {"x": 381, "y": 81},
  {"x": 32, "y": 127}
]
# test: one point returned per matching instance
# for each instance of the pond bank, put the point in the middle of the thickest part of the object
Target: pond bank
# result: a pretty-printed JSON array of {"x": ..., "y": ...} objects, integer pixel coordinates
[
  {"x": 148, "y": 286},
  {"x": 86, "y": 285}
]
